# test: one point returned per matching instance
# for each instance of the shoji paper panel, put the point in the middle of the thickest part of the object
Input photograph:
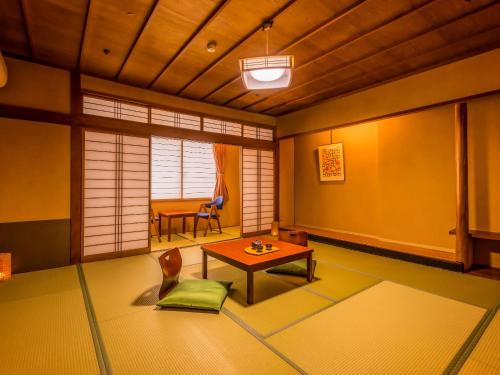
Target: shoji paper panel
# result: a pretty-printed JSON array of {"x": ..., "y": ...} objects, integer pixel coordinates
[
  {"x": 116, "y": 193},
  {"x": 257, "y": 190}
]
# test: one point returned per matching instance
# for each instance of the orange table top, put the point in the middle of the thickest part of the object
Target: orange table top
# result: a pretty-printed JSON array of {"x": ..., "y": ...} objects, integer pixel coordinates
[
  {"x": 234, "y": 250},
  {"x": 177, "y": 213}
]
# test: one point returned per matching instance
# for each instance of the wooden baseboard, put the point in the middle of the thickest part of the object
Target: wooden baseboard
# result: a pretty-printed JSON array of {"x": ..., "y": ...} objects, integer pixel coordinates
[{"x": 371, "y": 245}]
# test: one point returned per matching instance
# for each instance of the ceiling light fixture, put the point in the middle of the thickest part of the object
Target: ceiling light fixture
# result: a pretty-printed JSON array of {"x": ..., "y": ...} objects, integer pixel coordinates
[
  {"x": 266, "y": 72},
  {"x": 211, "y": 46}
]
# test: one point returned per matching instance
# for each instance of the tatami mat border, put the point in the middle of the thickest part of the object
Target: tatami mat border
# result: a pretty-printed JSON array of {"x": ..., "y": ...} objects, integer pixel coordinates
[
  {"x": 100, "y": 350},
  {"x": 465, "y": 351}
]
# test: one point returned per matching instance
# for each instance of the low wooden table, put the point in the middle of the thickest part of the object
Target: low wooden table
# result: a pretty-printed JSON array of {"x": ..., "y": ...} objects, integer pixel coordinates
[
  {"x": 172, "y": 215},
  {"x": 233, "y": 253}
]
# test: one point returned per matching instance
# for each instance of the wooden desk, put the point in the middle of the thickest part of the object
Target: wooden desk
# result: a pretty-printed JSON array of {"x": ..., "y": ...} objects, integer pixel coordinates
[
  {"x": 172, "y": 215},
  {"x": 232, "y": 252}
]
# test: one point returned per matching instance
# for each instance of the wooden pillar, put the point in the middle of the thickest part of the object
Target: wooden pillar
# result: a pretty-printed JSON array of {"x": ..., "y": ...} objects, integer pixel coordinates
[
  {"x": 463, "y": 241},
  {"x": 76, "y": 170}
]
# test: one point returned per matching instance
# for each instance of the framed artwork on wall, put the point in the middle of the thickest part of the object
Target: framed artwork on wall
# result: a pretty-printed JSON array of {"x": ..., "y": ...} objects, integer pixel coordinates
[{"x": 331, "y": 162}]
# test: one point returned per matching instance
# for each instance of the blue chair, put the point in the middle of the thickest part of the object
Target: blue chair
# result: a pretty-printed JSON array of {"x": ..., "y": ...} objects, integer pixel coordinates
[{"x": 209, "y": 211}]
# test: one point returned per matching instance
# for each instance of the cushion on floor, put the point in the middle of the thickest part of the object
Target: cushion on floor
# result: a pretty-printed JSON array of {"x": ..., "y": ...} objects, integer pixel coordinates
[
  {"x": 197, "y": 294},
  {"x": 298, "y": 268}
]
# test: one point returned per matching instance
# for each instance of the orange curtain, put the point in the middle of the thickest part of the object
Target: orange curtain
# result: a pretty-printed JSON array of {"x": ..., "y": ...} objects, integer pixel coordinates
[{"x": 220, "y": 184}]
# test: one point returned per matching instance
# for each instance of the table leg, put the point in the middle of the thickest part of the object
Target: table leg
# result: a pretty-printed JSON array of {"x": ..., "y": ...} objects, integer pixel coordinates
[
  {"x": 184, "y": 224},
  {"x": 169, "y": 229},
  {"x": 195, "y": 225},
  {"x": 159, "y": 228},
  {"x": 309, "y": 268},
  {"x": 204, "y": 265},
  {"x": 249, "y": 288}
]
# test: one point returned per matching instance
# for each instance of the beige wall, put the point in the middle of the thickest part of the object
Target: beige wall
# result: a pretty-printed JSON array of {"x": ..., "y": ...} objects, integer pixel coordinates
[
  {"x": 36, "y": 86},
  {"x": 400, "y": 176},
  {"x": 230, "y": 214},
  {"x": 475, "y": 75},
  {"x": 34, "y": 171},
  {"x": 286, "y": 182},
  {"x": 484, "y": 163}
]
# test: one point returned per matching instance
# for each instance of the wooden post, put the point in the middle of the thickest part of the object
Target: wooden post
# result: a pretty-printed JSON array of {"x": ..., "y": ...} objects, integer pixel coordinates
[
  {"x": 463, "y": 240},
  {"x": 76, "y": 170}
]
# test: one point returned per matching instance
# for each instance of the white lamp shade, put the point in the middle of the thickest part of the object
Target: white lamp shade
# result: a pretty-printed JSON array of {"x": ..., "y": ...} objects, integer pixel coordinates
[{"x": 266, "y": 72}]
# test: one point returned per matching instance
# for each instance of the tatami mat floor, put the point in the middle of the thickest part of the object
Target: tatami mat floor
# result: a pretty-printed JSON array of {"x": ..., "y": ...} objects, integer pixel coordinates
[{"x": 363, "y": 314}]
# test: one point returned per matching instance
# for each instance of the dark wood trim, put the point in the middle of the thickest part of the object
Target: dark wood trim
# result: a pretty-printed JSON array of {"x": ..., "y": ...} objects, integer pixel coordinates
[
  {"x": 365, "y": 57},
  {"x": 336, "y": 17},
  {"x": 114, "y": 255},
  {"x": 394, "y": 114},
  {"x": 236, "y": 45},
  {"x": 26, "y": 29},
  {"x": 145, "y": 23},
  {"x": 140, "y": 129},
  {"x": 76, "y": 183},
  {"x": 32, "y": 114},
  {"x": 82, "y": 39},
  {"x": 481, "y": 234},
  {"x": 463, "y": 241},
  {"x": 277, "y": 182},
  {"x": 215, "y": 12},
  {"x": 448, "y": 265},
  {"x": 374, "y": 246}
]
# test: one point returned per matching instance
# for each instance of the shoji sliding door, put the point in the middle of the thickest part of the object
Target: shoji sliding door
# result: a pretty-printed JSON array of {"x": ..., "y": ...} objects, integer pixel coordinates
[
  {"x": 257, "y": 190},
  {"x": 115, "y": 195}
]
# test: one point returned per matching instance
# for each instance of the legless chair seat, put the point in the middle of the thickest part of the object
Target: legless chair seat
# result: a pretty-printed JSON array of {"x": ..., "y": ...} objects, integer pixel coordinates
[
  {"x": 189, "y": 294},
  {"x": 298, "y": 267}
]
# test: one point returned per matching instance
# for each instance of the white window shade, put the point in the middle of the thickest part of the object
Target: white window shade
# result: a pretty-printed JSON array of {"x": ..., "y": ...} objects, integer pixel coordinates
[
  {"x": 198, "y": 170},
  {"x": 257, "y": 190},
  {"x": 116, "y": 193},
  {"x": 166, "y": 167}
]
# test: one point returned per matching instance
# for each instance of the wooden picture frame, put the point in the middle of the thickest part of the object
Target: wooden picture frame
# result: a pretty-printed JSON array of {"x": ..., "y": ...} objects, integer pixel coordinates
[{"x": 331, "y": 162}]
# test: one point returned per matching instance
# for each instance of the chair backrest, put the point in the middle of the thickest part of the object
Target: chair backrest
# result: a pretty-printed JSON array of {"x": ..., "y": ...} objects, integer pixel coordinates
[
  {"x": 296, "y": 237},
  {"x": 218, "y": 200},
  {"x": 171, "y": 264}
]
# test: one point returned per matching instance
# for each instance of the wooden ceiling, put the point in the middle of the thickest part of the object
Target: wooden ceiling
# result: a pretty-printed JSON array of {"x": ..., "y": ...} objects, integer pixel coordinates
[{"x": 339, "y": 46}]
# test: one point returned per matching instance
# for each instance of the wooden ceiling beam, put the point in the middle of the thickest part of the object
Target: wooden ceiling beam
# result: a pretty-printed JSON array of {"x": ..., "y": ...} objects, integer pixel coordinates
[
  {"x": 400, "y": 62},
  {"x": 293, "y": 43},
  {"x": 144, "y": 24},
  {"x": 26, "y": 29},
  {"x": 215, "y": 12},
  {"x": 236, "y": 45},
  {"x": 82, "y": 39},
  {"x": 347, "y": 43}
]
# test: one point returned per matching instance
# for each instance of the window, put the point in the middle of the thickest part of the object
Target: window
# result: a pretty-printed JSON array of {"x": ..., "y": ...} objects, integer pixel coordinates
[
  {"x": 114, "y": 109},
  {"x": 174, "y": 119},
  {"x": 223, "y": 127},
  {"x": 181, "y": 169},
  {"x": 147, "y": 114}
]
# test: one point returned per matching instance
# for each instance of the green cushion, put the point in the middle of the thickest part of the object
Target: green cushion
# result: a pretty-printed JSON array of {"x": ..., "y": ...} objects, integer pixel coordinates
[
  {"x": 298, "y": 267},
  {"x": 197, "y": 294}
]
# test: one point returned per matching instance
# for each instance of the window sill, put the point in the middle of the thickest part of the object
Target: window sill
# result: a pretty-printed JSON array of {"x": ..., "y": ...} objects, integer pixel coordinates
[{"x": 181, "y": 200}]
